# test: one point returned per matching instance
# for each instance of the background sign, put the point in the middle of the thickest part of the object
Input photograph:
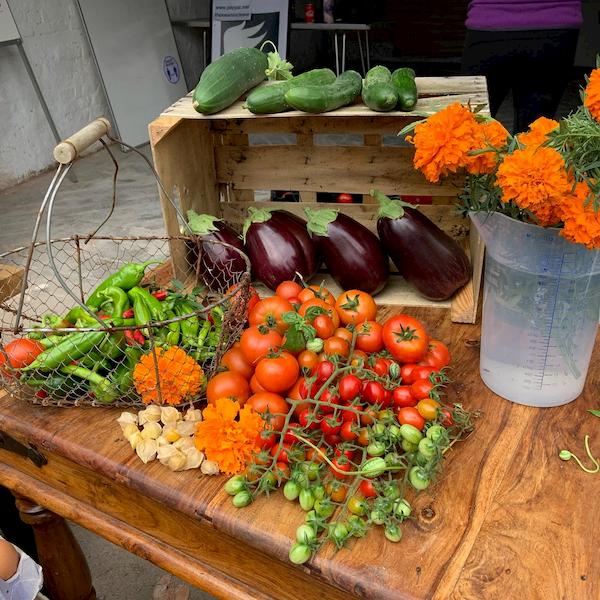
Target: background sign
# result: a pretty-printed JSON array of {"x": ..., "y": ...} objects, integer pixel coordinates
[{"x": 231, "y": 10}]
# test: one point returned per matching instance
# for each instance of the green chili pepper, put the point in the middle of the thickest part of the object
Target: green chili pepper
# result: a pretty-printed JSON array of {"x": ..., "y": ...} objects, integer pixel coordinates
[
  {"x": 122, "y": 376},
  {"x": 73, "y": 347},
  {"x": 156, "y": 306},
  {"x": 80, "y": 314},
  {"x": 127, "y": 277},
  {"x": 172, "y": 337},
  {"x": 118, "y": 298},
  {"x": 189, "y": 326},
  {"x": 51, "y": 340},
  {"x": 55, "y": 385},
  {"x": 104, "y": 390},
  {"x": 142, "y": 313}
]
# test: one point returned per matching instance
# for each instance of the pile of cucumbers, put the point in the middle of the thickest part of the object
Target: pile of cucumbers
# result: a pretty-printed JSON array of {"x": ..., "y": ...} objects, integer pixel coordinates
[{"x": 316, "y": 91}]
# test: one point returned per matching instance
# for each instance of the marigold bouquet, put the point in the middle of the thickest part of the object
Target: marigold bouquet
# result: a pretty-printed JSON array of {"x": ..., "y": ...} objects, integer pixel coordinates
[{"x": 548, "y": 175}]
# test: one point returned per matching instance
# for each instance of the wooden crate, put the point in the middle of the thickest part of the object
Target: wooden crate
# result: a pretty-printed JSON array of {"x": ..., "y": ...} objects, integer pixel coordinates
[{"x": 210, "y": 164}]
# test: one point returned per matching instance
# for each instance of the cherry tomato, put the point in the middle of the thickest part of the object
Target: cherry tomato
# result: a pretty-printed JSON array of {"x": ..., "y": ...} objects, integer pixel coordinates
[
  {"x": 309, "y": 419},
  {"x": 344, "y": 198},
  {"x": 343, "y": 333},
  {"x": 277, "y": 373},
  {"x": 358, "y": 358},
  {"x": 381, "y": 366},
  {"x": 289, "y": 437},
  {"x": 349, "y": 387},
  {"x": 428, "y": 409},
  {"x": 342, "y": 464},
  {"x": 406, "y": 373},
  {"x": 355, "y": 306},
  {"x": 422, "y": 388},
  {"x": 330, "y": 426},
  {"x": 336, "y": 490},
  {"x": 288, "y": 289},
  {"x": 410, "y": 416},
  {"x": 349, "y": 416},
  {"x": 369, "y": 336},
  {"x": 374, "y": 393},
  {"x": 330, "y": 400},
  {"x": 402, "y": 396},
  {"x": 333, "y": 439},
  {"x": 324, "y": 371},
  {"x": 323, "y": 325},
  {"x": 405, "y": 338},
  {"x": 367, "y": 489},
  {"x": 448, "y": 420},
  {"x": 368, "y": 416},
  {"x": 316, "y": 291},
  {"x": 283, "y": 455},
  {"x": 422, "y": 372},
  {"x": 364, "y": 437},
  {"x": 329, "y": 310},
  {"x": 335, "y": 346},
  {"x": 437, "y": 356},
  {"x": 357, "y": 505},
  {"x": 348, "y": 431},
  {"x": 307, "y": 359},
  {"x": 266, "y": 439}
]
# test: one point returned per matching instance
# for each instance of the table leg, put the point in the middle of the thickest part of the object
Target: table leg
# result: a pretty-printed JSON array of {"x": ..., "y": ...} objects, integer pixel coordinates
[
  {"x": 337, "y": 57},
  {"x": 343, "y": 51},
  {"x": 367, "y": 47},
  {"x": 203, "y": 49},
  {"x": 66, "y": 573},
  {"x": 360, "y": 49}
]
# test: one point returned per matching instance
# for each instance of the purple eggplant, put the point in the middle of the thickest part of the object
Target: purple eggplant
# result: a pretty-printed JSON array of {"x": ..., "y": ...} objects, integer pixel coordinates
[
  {"x": 220, "y": 266},
  {"x": 353, "y": 255},
  {"x": 279, "y": 246},
  {"x": 427, "y": 257}
]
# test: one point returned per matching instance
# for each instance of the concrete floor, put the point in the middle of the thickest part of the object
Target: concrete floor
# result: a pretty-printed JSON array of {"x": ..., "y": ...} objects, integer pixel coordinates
[{"x": 117, "y": 574}]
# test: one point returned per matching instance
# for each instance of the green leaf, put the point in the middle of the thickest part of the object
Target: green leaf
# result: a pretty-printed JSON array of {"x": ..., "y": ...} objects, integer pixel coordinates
[
  {"x": 318, "y": 220},
  {"x": 294, "y": 340},
  {"x": 292, "y": 318},
  {"x": 596, "y": 413},
  {"x": 201, "y": 224},
  {"x": 256, "y": 215},
  {"x": 277, "y": 67}
]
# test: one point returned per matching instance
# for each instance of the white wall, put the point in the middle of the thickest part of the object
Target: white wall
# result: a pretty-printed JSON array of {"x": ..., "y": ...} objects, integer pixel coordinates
[{"x": 60, "y": 56}]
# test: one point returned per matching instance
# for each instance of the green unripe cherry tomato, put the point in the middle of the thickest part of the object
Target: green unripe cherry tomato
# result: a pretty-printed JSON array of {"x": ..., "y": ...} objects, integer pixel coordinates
[
  {"x": 356, "y": 526},
  {"x": 436, "y": 433},
  {"x": 318, "y": 492},
  {"x": 299, "y": 553},
  {"x": 378, "y": 430},
  {"x": 312, "y": 519},
  {"x": 357, "y": 505},
  {"x": 338, "y": 532},
  {"x": 427, "y": 447},
  {"x": 410, "y": 433},
  {"x": 234, "y": 485},
  {"x": 421, "y": 460},
  {"x": 291, "y": 490},
  {"x": 315, "y": 345},
  {"x": 392, "y": 459},
  {"x": 391, "y": 491},
  {"x": 306, "y": 534},
  {"x": 409, "y": 446},
  {"x": 241, "y": 499},
  {"x": 418, "y": 478},
  {"x": 373, "y": 467},
  {"x": 311, "y": 470},
  {"x": 378, "y": 516},
  {"x": 392, "y": 532},
  {"x": 394, "y": 433},
  {"x": 324, "y": 508},
  {"x": 402, "y": 508},
  {"x": 307, "y": 500},
  {"x": 376, "y": 449},
  {"x": 301, "y": 478}
]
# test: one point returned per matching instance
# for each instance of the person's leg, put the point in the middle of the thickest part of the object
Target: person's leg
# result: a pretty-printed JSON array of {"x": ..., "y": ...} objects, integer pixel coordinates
[
  {"x": 489, "y": 53},
  {"x": 13, "y": 529},
  {"x": 547, "y": 59}
]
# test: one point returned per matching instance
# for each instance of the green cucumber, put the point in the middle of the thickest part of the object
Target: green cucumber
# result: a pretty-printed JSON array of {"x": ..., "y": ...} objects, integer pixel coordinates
[
  {"x": 403, "y": 81},
  {"x": 319, "y": 99},
  {"x": 227, "y": 78},
  {"x": 378, "y": 93},
  {"x": 271, "y": 98}
]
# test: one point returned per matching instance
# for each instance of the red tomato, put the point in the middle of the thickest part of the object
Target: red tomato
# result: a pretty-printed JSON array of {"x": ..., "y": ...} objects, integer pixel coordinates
[
  {"x": 367, "y": 489},
  {"x": 228, "y": 385},
  {"x": 277, "y": 373},
  {"x": 421, "y": 389},
  {"x": 266, "y": 439},
  {"x": 335, "y": 346},
  {"x": 402, "y": 396},
  {"x": 235, "y": 360},
  {"x": 344, "y": 199},
  {"x": 344, "y": 333},
  {"x": 283, "y": 454},
  {"x": 308, "y": 360},
  {"x": 347, "y": 432},
  {"x": 355, "y": 306},
  {"x": 374, "y": 393},
  {"x": 316, "y": 291},
  {"x": 410, "y": 415},
  {"x": 323, "y": 325},
  {"x": 358, "y": 358},
  {"x": 343, "y": 450},
  {"x": 381, "y": 366},
  {"x": 448, "y": 420},
  {"x": 321, "y": 304},
  {"x": 20, "y": 353},
  {"x": 324, "y": 371},
  {"x": 258, "y": 341},
  {"x": 406, "y": 373},
  {"x": 369, "y": 336},
  {"x": 343, "y": 464},
  {"x": 405, "y": 338},
  {"x": 349, "y": 387},
  {"x": 273, "y": 404},
  {"x": 269, "y": 311},
  {"x": 255, "y": 387},
  {"x": 330, "y": 426},
  {"x": 333, "y": 439},
  {"x": 437, "y": 356},
  {"x": 308, "y": 418},
  {"x": 422, "y": 372},
  {"x": 289, "y": 436},
  {"x": 288, "y": 289}
]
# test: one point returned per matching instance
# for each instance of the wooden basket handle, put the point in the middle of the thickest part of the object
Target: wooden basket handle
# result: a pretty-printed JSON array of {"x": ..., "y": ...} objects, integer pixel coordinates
[{"x": 68, "y": 150}]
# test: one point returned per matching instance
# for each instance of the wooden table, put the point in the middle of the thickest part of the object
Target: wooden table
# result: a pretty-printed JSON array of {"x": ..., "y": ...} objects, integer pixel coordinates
[{"x": 507, "y": 519}]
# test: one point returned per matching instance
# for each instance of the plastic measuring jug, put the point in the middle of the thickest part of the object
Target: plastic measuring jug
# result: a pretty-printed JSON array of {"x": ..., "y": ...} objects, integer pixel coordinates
[{"x": 540, "y": 311}]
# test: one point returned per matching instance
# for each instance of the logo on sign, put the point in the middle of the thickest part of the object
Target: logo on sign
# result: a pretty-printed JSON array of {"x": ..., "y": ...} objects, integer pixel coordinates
[{"x": 171, "y": 69}]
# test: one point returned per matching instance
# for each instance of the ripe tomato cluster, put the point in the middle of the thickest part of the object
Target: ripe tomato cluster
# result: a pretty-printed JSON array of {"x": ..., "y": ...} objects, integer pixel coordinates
[{"x": 347, "y": 402}]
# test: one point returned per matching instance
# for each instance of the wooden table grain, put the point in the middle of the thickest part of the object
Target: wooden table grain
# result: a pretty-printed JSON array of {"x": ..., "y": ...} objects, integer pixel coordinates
[{"x": 506, "y": 520}]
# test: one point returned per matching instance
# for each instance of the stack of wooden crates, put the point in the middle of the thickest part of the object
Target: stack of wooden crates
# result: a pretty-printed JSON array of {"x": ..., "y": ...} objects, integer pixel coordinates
[{"x": 216, "y": 164}]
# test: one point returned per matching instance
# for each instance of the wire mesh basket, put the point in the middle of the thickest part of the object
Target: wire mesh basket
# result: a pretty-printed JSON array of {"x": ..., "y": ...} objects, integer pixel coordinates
[{"x": 102, "y": 320}]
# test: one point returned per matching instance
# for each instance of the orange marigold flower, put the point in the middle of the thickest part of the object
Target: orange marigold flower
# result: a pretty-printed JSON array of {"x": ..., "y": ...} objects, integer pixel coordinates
[
  {"x": 442, "y": 142},
  {"x": 592, "y": 94},
  {"x": 534, "y": 179},
  {"x": 538, "y": 132},
  {"x": 581, "y": 221},
  {"x": 491, "y": 134},
  {"x": 179, "y": 375},
  {"x": 227, "y": 441}
]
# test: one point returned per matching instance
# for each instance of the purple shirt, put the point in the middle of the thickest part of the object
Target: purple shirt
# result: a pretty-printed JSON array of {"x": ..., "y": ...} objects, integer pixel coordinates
[{"x": 516, "y": 14}]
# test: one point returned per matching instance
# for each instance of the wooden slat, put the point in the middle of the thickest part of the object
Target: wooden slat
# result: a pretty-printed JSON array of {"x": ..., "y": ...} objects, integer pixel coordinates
[
  {"x": 352, "y": 169},
  {"x": 11, "y": 278}
]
